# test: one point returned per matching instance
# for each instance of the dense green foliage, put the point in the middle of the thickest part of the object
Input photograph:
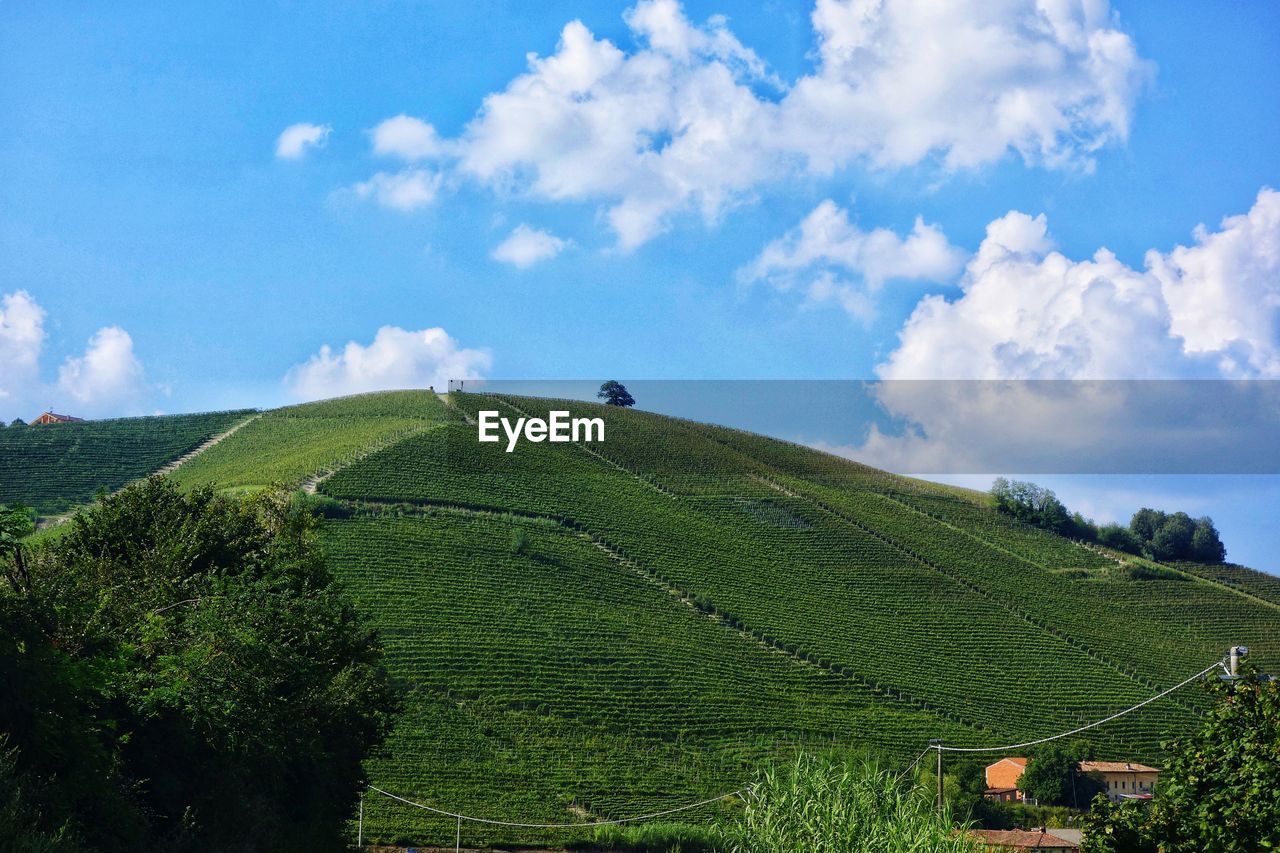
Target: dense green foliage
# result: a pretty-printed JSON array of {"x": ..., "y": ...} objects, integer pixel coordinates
[
  {"x": 1053, "y": 776},
  {"x": 182, "y": 674},
  {"x": 827, "y": 806},
  {"x": 291, "y": 444},
  {"x": 1151, "y": 533},
  {"x": 614, "y": 393},
  {"x": 1218, "y": 791},
  {"x": 60, "y": 466},
  {"x": 1176, "y": 536},
  {"x": 1036, "y": 505}
]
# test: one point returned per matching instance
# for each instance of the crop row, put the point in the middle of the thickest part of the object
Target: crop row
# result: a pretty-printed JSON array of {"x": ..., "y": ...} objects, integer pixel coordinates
[
  {"x": 59, "y": 466},
  {"x": 829, "y": 591},
  {"x": 556, "y": 676}
]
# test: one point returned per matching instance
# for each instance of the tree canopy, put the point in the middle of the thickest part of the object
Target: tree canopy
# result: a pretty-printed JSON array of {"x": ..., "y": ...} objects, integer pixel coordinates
[
  {"x": 614, "y": 393},
  {"x": 188, "y": 675},
  {"x": 1219, "y": 787},
  {"x": 1053, "y": 776}
]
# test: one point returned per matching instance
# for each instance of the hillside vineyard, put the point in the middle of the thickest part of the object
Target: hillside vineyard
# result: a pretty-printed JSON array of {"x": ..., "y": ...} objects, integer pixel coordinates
[{"x": 608, "y": 628}]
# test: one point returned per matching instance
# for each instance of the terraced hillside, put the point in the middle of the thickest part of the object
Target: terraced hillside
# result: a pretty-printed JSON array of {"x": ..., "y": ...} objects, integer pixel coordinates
[
  {"x": 945, "y": 617},
  {"x": 292, "y": 445},
  {"x": 616, "y": 628},
  {"x": 60, "y": 466}
]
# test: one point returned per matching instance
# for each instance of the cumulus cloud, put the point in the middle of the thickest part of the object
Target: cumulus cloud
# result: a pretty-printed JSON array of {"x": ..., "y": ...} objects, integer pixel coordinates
[
  {"x": 406, "y": 191},
  {"x": 691, "y": 120},
  {"x": 106, "y": 379},
  {"x": 1224, "y": 292},
  {"x": 407, "y": 138},
  {"x": 21, "y": 339},
  {"x": 833, "y": 260},
  {"x": 107, "y": 376},
  {"x": 527, "y": 246},
  {"x": 1028, "y": 312},
  {"x": 296, "y": 139},
  {"x": 395, "y": 359}
]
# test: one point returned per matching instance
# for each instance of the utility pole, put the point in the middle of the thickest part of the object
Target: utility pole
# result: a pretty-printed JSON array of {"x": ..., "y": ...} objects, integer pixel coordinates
[
  {"x": 360, "y": 825},
  {"x": 937, "y": 744},
  {"x": 1233, "y": 658}
]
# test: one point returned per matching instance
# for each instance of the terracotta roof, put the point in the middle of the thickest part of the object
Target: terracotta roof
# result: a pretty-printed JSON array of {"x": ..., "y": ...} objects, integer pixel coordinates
[
  {"x": 1015, "y": 759},
  {"x": 1021, "y": 839},
  {"x": 1115, "y": 767}
]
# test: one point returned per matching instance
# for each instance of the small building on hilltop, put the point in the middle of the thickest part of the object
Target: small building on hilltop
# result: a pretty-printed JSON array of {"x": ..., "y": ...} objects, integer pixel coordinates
[
  {"x": 1125, "y": 780},
  {"x": 55, "y": 418},
  {"x": 1002, "y": 779},
  {"x": 1024, "y": 839}
]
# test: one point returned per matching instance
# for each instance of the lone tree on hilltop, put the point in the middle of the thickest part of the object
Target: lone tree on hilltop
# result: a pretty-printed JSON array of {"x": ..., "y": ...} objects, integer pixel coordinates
[{"x": 614, "y": 393}]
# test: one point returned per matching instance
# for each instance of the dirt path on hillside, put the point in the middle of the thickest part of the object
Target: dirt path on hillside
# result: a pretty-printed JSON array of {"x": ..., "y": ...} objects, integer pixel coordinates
[
  {"x": 168, "y": 467},
  {"x": 217, "y": 439}
]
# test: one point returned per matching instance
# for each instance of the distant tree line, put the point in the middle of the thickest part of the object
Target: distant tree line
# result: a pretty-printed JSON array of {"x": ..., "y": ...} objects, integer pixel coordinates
[{"x": 1150, "y": 533}]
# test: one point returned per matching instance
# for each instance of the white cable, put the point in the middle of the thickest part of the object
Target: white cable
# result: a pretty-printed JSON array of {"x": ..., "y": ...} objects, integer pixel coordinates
[
  {"x": 558, "y": 825},
  {"x": 1082, "y": 728}
]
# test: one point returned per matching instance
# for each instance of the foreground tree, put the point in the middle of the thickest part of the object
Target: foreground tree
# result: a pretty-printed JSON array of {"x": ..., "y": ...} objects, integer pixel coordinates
[
  {"x": 217, "y": 687},
  {"x": 1053, "y": 776},
  {"x": 1218, "y": 791},
  {"x": 614, "y": 393}
]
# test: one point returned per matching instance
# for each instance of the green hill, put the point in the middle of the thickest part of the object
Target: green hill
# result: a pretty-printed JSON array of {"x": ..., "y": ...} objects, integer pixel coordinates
[
  {"x": 60, "y": 466},
  {"x": 616, "y": 628}
]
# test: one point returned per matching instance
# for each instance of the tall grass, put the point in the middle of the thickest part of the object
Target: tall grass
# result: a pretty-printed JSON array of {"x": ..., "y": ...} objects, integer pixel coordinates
[{"x": 825, "y": 805}]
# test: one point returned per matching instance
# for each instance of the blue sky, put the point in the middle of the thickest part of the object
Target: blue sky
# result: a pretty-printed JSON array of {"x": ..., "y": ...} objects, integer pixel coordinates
[{"x": 157, "y": 253}]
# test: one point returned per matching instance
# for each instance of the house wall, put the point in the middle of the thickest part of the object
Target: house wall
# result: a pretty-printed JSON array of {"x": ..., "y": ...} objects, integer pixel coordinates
[
  {"x": 1004, "y": 774},
  {"x": 1120, "y": 785}
]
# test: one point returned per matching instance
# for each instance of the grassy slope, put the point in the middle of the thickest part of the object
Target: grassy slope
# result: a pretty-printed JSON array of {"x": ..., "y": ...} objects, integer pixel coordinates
[
  {"x": 57, "y": 467},
  {"x": 991, "y": 630},
  {"x": 693, "y": 599},
  {"x": 291, "y": 444}
]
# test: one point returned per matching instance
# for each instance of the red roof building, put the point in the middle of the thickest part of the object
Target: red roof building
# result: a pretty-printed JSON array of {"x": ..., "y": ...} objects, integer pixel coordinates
[{"x": 55, "y": 418}]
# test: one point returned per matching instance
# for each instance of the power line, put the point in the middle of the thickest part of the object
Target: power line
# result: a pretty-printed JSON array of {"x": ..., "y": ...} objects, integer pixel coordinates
[
  {"x": 491, "y": 822},
  {"x": 1118, "y": 714},
  {"x": 939, "y": 746}
]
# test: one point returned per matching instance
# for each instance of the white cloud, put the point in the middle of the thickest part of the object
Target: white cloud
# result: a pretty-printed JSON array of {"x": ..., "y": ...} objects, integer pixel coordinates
[
  {"x": 690, "y": 120},
  {"x": 902, "y": 80},
  {"x": 108, "y": 377},
  {"x": 396, "y": 358},
  {"x": 1224, "y": 292},
  {"x": 21, "y": 339},
  {"x": 527, "y": 246},
  {"x": 407, "y": 138},
  {"x": 1028, "y": 312},
  {"x": 294, "y": 141},
  {"x": 106, "y": 380},
  {"x": 405, "y": 191},
  {"x": 832, "y": 259}
]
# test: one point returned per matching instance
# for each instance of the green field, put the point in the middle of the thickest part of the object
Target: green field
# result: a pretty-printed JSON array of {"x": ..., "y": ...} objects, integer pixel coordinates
[
  {"x": 286, "y": 446},
  {"x": 612, "y": 629},
  {"x": 60, "y": 466}
]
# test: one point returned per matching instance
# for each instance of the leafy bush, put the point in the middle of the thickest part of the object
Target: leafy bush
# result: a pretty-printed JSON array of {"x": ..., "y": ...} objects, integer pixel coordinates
[
  {"x": 186, "y": 675},
  {"x": 1218, "y": 788}
]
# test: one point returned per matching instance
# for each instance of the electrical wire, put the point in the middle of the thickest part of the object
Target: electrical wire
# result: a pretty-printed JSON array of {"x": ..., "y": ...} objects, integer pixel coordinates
[
  {"x": 588, "y": 825},
  {"x": 1094, "y": 724}
]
